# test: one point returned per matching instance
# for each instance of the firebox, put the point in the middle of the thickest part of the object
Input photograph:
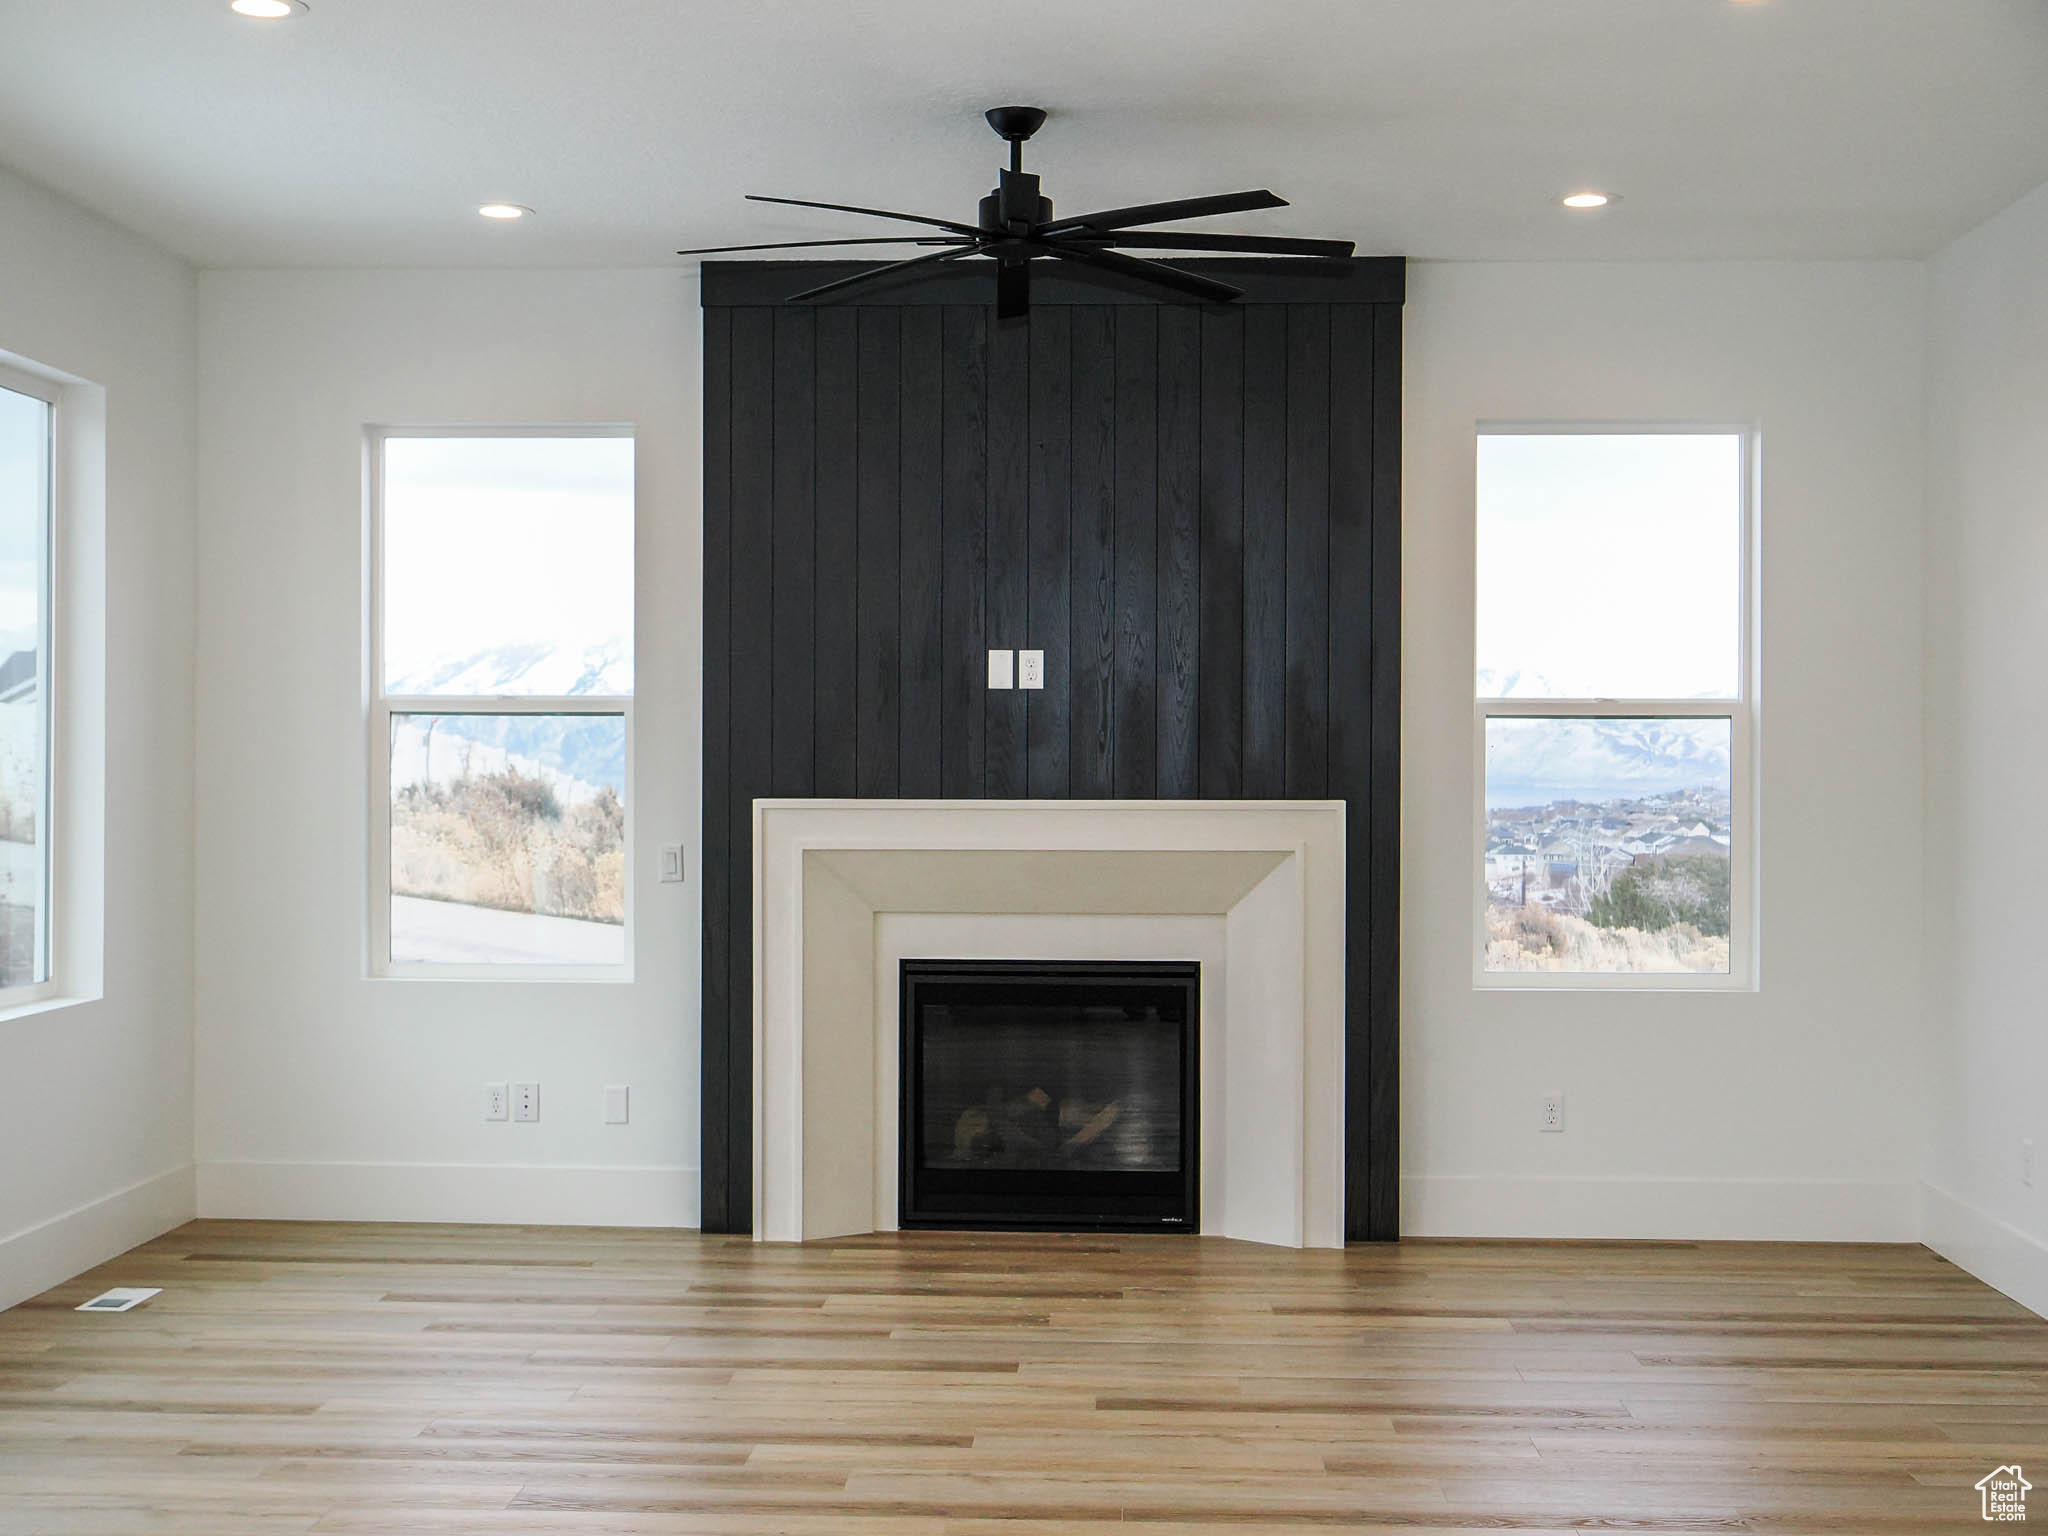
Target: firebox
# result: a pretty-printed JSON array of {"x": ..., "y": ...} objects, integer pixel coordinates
[{"x": 1050, "y": 1093}]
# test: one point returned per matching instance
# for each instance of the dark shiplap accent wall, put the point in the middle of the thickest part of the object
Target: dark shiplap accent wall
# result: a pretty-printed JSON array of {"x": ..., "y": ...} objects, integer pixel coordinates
[{"x": 1193, "y": 510}]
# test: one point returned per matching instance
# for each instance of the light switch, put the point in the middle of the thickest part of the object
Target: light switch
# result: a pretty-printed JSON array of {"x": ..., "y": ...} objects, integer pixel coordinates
[
  {"x": 671, "y": 863},
  {"x": 1031, "y": 669},
  {"x": 1001, "y": 669},
  {"x": 615, "y": 1104}
]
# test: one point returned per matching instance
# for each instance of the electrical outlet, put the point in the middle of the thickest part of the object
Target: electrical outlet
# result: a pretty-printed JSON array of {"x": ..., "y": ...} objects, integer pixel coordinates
[
  {"x": 526, "y": 1101},
  {"x": 1002, "y": 669},
  {"x": 615, "y": 1104},
  {"x": 1552, "y": 1114},
  {"x": 2027, "y": 1161},
  {"x": 497, "y": 1102},
  {"x": 1031, "y": 669}
]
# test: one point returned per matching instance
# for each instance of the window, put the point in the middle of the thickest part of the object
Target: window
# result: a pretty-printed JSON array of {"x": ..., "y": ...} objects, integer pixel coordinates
[
  {"x": 501, "y": 723},
  {"x": 27, "y": 519},
  {"x": 1612, "y": 719}
]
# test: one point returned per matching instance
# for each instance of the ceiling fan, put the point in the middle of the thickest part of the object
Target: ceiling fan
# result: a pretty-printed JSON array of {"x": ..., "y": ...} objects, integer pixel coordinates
[{"x": 1016, "y": 225}]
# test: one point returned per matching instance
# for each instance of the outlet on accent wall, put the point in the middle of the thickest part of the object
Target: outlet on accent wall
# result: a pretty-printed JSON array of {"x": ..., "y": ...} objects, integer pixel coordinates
[
  {"x": 1552, "y": 1115},
  {"x": 497, "y": 1102}
]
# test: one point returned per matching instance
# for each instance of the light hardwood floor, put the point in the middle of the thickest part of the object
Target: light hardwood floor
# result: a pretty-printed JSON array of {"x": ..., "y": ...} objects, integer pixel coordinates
[{"x": 354, "y": 1378}]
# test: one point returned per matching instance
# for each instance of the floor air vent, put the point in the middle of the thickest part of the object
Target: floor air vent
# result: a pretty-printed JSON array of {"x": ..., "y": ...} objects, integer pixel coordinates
[{"x": 121, "y": 1298}]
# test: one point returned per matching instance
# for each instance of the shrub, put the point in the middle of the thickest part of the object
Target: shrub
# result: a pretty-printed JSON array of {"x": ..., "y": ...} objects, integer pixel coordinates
[
  {"x": 1692, "y": 892},
  {"x": 503, "y": 840}
]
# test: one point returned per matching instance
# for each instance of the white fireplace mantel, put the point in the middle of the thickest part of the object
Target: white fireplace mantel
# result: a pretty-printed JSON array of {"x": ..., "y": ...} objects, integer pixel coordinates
[{"x": 1258, "y": 884}]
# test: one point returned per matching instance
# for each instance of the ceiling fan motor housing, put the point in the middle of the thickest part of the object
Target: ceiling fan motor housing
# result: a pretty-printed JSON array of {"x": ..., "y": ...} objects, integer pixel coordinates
[{"x": 1015, "y": 206}]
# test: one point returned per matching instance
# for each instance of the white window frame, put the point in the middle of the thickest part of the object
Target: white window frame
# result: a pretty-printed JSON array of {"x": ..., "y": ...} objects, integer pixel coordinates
[
  {"x": 48, "y": 927},
  {"x": 1740, "y": 712},
  {"x": 380, "y": 707}
]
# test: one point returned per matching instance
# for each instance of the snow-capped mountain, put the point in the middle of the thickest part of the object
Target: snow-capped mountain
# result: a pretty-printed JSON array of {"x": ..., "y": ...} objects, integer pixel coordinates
[
  {"x": 574, "y": 752},
  {"x": 1533, "y": 762},
  {"x": 525, "y": 668},
  {"x": 1518, "y": 684}
]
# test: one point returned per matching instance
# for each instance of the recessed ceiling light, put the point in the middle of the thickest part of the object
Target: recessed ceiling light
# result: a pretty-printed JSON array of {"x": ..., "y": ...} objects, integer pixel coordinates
[
  {"x": 1588, "y": 200},
  {"x": 268, "y": 10},
  {"x": 504, "y": 211}
]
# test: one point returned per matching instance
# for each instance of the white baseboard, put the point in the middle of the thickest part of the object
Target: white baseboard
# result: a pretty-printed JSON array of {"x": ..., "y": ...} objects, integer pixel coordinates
[
  {"x": 1999, "y": 1254},
  {"x": 1755, "y": 1210},
  {"x": 515, "y": 1194},
  {"x": 51, "y": 1252}
]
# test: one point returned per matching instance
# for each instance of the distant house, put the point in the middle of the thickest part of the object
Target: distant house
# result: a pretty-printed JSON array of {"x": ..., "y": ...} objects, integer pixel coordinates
[{"x": 1704, "y": 846}]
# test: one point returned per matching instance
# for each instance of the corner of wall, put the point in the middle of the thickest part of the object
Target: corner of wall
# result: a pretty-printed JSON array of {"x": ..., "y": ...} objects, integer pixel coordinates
[{"x": 74, "y": 1241}]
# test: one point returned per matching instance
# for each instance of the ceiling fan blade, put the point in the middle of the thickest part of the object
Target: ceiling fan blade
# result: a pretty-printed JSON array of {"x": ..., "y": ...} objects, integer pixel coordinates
[
  {"x": 1154, "y": 213},
  {"x": 879, "y": 213},
  {"x": 1013, "y": 289},
  {"x": 878, "y": 274},
  {"x": 1192, "y": 240},
  {"x": 791, "y": 245},
  {"x": 1155, "y": 272}
]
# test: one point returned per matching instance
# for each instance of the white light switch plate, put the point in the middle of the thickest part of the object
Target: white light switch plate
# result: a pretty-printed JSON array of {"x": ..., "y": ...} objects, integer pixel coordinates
[
  {"x": 615, "y": 1104},
  {"x": 1031, "y": 669},
  {"x": 1001, "y": 669},
  {"x": 671, "y": 863}
]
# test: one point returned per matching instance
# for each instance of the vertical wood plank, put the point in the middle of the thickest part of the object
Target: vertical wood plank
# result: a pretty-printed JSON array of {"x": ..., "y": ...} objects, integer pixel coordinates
[
  {"x": 794, "y": 603},
  {"x": 836, "y": 554},
  {"x": 1221, "y": 557},
  {"x": 1009, "y": 512},
  {"x": 714, "y": 847},
  {"x": 920, "y": 544},
  {"x": 1136, "y": 752},
  {"x": 1265, "y": 551},
  {"x": 1048, "y": 718},
  {"x": 1092, "y": 556},
  {"x": 964, "y": 560},
  {"x": 1381, "y": 1125},
  {"x": 1308, "y": 550},
  {"x": 878, "y": 451},
  {"x": 1352, "y": 408},
  {"x": 753, "y": 586},
  {"x": 1178, "y": 583}
]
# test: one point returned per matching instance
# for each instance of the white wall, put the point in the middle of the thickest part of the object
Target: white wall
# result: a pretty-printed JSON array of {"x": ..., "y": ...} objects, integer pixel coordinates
[
  {"x": 323, "y": 1093},
  {"x": 1987, "y": 745},
  {"x": 1797, "y": 1110},
  {"x": 96, "y": 1097}
]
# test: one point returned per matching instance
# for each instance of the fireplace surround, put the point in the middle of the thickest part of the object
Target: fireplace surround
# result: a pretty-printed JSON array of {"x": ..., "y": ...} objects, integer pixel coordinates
[{"x": 845, "y": 890}]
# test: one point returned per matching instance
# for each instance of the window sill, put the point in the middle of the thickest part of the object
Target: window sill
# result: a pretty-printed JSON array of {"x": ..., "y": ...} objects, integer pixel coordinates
[
  {"x": 29, "y": 1007},
  {"x": 561, "y": 976},
  {"x": 1640, "y": 985}
]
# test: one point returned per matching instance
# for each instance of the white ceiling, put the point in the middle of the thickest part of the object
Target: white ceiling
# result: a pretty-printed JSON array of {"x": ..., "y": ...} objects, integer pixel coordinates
[{"x": 365, "y": 132}]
